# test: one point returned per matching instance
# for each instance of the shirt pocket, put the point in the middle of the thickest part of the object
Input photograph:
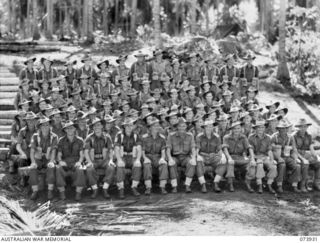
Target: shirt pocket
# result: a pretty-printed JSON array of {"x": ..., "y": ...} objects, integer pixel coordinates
[{"x": 186, "y": 146}]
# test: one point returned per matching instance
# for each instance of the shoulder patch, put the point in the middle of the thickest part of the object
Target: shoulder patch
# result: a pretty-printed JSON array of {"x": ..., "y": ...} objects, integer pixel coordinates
[{"x": 145, "y": 135}]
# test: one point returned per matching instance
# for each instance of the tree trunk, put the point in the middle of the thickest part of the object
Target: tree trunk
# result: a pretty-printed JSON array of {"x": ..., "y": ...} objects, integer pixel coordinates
[
  {"x": 85, "y": 19},
  {"x": 116, "y": 16},
  {"x": 35, "y": 28},
  {"x": 157, "y": 27},
  {"x": 105, "y": 17},
  {"x": 177, "y": 15},
  {"x": 28, "y": 31},
  {"x": 207, "y": 2},
  {"x": 266, "y": 18},
  {"x": 133, "y": 17},
  {"x": 90, "y": 20},
  {"x": 318, "y": 20},
  {"x": 193, "y": 17},
  {"x": 49, "y": 19},
  {"x": 283, "y": 72},
  {"x": 80, "y": 19}
]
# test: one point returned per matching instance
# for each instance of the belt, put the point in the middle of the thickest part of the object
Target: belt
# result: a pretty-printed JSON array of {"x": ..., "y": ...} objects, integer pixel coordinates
[
  {"x": 98, "y": 156},
  {"x": 207, "y": 154},
  {"x": 127, "y": 153}
]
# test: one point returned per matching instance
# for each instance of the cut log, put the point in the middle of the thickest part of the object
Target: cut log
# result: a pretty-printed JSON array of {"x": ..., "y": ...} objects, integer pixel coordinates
[
  {"x": 6, "y": 104},
  {"x": 5, "y": 128},
  {"x": 7, "y": 114},
  {"x": 7, "y": 95},
  {"x": 5, "y": 134},
  {"x": 5, "y": 122},
  {"x": 7, "y": 74},
  {"x": 10, "y": 88},
  {"x": 9, "y": 81}
]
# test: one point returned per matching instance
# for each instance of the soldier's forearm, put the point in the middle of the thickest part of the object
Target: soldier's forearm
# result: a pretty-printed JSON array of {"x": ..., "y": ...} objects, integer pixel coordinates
[
  {"x": 33, "y": 161},
  {"x": 117, "y": 153},
  {"x": 87, "y": 156}
]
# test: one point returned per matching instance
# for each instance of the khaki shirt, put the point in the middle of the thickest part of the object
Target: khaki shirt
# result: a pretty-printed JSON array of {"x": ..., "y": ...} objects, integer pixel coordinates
[
  {"x": 98, "y": 144},
  {"x": 181, "y": 144},
  {"x": 236, "y": 146},
  {"x": 302, "y": 142},
  {"x": 260, "y": 146},
  {"x": 152, "y": 145},
  {"x": 70, "y": 150},
  {"x": 206, "y": 145}
]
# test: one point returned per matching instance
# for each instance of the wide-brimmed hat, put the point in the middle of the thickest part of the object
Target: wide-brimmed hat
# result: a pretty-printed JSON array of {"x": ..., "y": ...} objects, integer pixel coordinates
[
  {"x": 252, "y": 89},
  {"x": 132, "y": 92},
  {"x": 234, "y": 124},
  {"x": 55, "y": 112},
  {"x": 186, "y": 110},
  {"x": 33, "y": 59},
  {"x": 153, "y": 121},
  {"x": 229, "y": 56},
  {"x": 70, "y": 63},
  {"x": 95, "y": 121},
  {"x": 156, "y": 91},
  {"x": 92, "y": 110},
  {"x": 76, "y": 92},
  {"x": 197, "y": 118},
  {"x": 115, "y": 92},
  {"x": 199, "y": 106},
  {"x": 117, "y": 113},
  {"x": 259, "y": 123},
  {"x": 56, "y": 89},
  {"x": 107, "y": 102},
  {"x": 225, "y": 81},
  {"x": 106, "y": 61},
  {"x": 86, "y": 58},
  {"x": 189, "y": 88},
  {"x": 128, "y": 121},
  {"x": 81, "y": 115},
  {"x": 48, "y": 107},
  {"x": 227, "y": 93},
  {"x": 274, "y": 117},
  {"x": 140, "y": 54},
  {"x": 30, "y": 116},
  {"x": 69, "y": 123},
  {"x": 84, "y": 76},
  {"x": 71, "y": 108},
  {"x": 193, "y": 55},
  {"x": 285, "y": 109},
  {"x": 121, "y": 57},
  {"x": 20, "y": 113},
  {"x": 284, "y": 124},
  {"x": 144, "y": 82},
  {"x": 151, "y": 100},
  {"x": 46, "y": 59},
  {"x": 217, "y": 104},
  {"x": 234, "y": 109},
  {"x": 243, "y": 115},
  {"x": 256, "y": 107},
  {"x": 271, "y": 103},
  {"x": 163, "y": 111},
  {"x": 124, "y": 102},
  {"x": 208, "y": 122},
  {"x": 105, "y": 75},
  {"x": 181, "y": 120},
  {"x": 43, "y": 120},
  {"x": 223, "y": 117},
  {"x": 24, "y": 102},
  {"x": 108, "y": 119},
  {"x": 303, "y": 122}
]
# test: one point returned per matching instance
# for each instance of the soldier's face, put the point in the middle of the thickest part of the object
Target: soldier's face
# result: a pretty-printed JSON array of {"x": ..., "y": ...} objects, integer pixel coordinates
[
  {"x": 192, "y": 92},
  {"x": 234, "y": 115},
  {"x": 247, "y": 119},
  {"x": 57, "y": 118},
  {"x": 71, "y": 115},
  {"x": 182, "y": 127},
  {"x": 103, "y": 81},
  {"x": 47, "y": 63},
  {"x": 45, "y": 86},
  {"x": 303, "y": 128},
  {"x": 125, "y": 108},
  {"x": 273, "y": 123},
  {"x": 173, "y": 120},
  {"x": 144, "y": 112},
  {"x": 283, "y": 131},
  {"x": 128, "y": 128},
  {"x": 103, "y": 66},
  {"x": 209, "y": 97},
  {"x": 159, "y": 57},
  {"x": 189, "y": 115},
  {"x": 25, "y": 107},
  {"x": 155, "y": 127},
  {"x": 30, "y": 64},
  {"x": 223, "y": 123},
  {"x": 31, "y": 123},
  {"x": 230, "y": 61},
  {"x": 281, "y": 113},
  {"x": 208, "y": 128},
  {"x": 45, "y": 127},
  {"x": 236, "y": 130},
  {"x": 82, "y": 122},
  {"x": 251, "y": 94},
  {"x": 174, "y": 95},
  {"x": 227, "y": 98},
  {"x": 97, "y": 128},
  {"x": 55, "y": 95},
  {"x": 213, "y": 116},
  {"x": 260, "y": 130},
  {"x": 193, "y": 60},
  {"x": 70, "y": 130},
  {"x": 108, "y": 126},
  {"x": 272, "y": 108}
]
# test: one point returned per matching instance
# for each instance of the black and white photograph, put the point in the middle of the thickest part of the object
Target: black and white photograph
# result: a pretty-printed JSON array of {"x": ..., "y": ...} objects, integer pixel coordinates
[{"x": 134, "y": 118}]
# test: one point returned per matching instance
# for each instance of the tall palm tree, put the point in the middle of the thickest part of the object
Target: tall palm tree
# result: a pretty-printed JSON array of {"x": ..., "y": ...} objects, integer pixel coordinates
[
  {"x": 157, "y": 26},
  {"x": 283, "y": 72}
]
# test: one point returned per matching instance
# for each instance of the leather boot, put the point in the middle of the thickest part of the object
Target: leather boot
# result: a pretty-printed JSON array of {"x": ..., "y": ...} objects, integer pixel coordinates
[
  {"x": 216, "y": 187},
  {"x": 279, "y": 189},
  {"x": 188, "y": 189},
  {"x": 106, "y": 195},
  {"x": 62, "y": 195},
  {"x": 271, "y": 189},
  {"x": 94, "y": 194},
  {"x": 163, "y": 191},
  {"x": 135, "y": 192},
  {"x": 303, "y": 186},
  {"x": 295, "y": 189},
  {"x": 34, "y": 195},
  {"x": 11, "y": 167},
  {"x": 260, "y": 189},
  {"x": 147, "y": 192},
  {"x": 249, "y": 186},
  {"x": 121, "y": 193},
  {"x": 203, "y": 188},
  {"x": 174, "y": 190},
  {"x": 50, "y": 194}
]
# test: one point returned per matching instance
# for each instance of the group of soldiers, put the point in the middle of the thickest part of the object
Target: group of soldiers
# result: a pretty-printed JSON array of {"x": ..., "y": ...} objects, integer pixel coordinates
[{"x": 162, "y": 117}]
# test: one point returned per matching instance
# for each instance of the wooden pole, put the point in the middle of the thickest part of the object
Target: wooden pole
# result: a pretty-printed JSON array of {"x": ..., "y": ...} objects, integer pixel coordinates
[
  {"x": 133, "y": 18},
  {"x": 49, "y": 19},
  {"x": 105, "y": 17},
  {"x": 157, "y": 26}
]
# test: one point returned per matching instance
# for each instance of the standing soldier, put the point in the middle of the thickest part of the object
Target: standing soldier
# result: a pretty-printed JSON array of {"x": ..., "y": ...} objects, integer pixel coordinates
[
  {"x": 121, "y": 70},
  {"x": 153, "y": 153},
  {"x": 192, "y": 100},
  {"x": 181, "y": 151},
  {"x": 285, "y": 153},
  {"x": 110, "y": 128},
  {"x": 47, "y": 72},
  {"x": 56, "y": 123},
  {"x": 229, "y": 69},
  {"x": 103, "y": 67},
  {"x": 88, "y": 70},
  {"x": 249, "y": 71},
  {"x": 262, "y": 148},
  {"x": 192, "y": 70},
  {"x": 42, "y": 155},
  {"x": 210, "y": 70},
  {"x": 70, "y": 161},
  {"x": 70, "y": 73},
  {"x": 23, "y": 93},
  {"x": 82, "y": 128},
  {"x": 139, "y": 70},
  {"x": 29, "y": 72},
  {"x": 307, "y": 155},
  {"x": 128, "y": 155},
  {"x": 209, "y": 153},
  {"x": 98, "y": 152},
  {"x": 236, "y": 146}
]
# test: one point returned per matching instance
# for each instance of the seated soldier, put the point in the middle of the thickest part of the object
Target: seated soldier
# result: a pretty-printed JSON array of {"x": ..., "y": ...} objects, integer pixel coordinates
[
  {"x": 24, "y": 140},
  {"x": 42, "y": 155},
  {"x": 307, "y": 155},
  {"x": 209, "y": 153},
  {"x": 236, "y": 146},
  {"x": 128, "y": 155},
  {"x": 153, "y": 153},
  {"x": 285, "y": 153},
  {"x": 181, "y": 152},
  {"x": 262, "y": 148},
  {"x": 70, "y": 161},
  {"x": 99, "y": 155}
]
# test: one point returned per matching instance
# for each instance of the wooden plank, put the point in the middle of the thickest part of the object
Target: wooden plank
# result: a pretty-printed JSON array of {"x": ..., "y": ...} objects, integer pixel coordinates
[
  {"x": 7, "y": 95},
  {"x": 5, "y": 134},
  {"x": 8, "y": 114},
  {"x": 4, "y": 122},
  {"x": 5, "y": 127},
  {"x": 10, "y": 88},
  {"x": 7, "y": 74},
  {"x": 9, "y": 81}
]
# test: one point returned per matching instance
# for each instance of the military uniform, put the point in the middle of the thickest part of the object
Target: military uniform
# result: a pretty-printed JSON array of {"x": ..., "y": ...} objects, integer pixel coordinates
[
  {"x": 288, "y": 161},
  {"x": 70, "y": 77},
  {"x": 43, "y": 147},
  {"x": 249, "y": 72},
  {"x": 238, "y": 148},
  {"x": 181, "y": 147},
  {"x": 210, "y": 151},
  {"x": 70, "y": 153},
  {"x": 24, "y": 139},
  {"x": 32, "y": 75},
  {"x": 261, "y": 147},
  {"x": 153, "y": 148},
  {"x": 90, "y": 72},
  {"x": 95, "y": 146},
  {"x": 127, "y": 146},
  {"x": 57, "y": 129},
  {"x": 47, "y": 74},
  {"x": 140, "y": 69},
  {"x": 193, "y": 74}
]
